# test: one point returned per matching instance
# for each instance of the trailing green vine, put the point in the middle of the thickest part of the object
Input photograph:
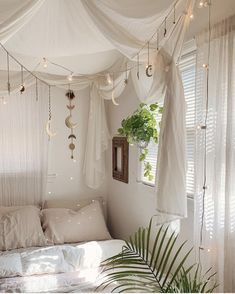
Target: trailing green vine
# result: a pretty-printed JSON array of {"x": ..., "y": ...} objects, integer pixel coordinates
[{"x": 140, "y": 128}]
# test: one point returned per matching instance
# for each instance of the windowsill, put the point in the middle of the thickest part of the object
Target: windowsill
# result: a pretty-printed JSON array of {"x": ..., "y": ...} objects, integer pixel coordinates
[{"x": 189, "y": 196}]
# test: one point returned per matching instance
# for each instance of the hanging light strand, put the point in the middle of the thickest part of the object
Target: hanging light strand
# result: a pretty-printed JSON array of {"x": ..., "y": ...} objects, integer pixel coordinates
[
  {"x": 204, "y": 127},
  {"x": 36, "y": 85},
  {"x": 8, "y": 75},
  {"x": 174, "y": 15},
  {"x": 49, "y": 103}
]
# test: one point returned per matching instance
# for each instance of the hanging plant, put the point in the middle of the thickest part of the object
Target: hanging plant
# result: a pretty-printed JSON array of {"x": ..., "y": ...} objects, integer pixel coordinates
[{"x": 140, "y": 128}]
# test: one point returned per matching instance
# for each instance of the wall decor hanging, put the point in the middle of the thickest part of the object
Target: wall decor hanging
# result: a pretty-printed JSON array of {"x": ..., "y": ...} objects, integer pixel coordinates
[
  {"x": 120, "y": 152},
  {"x": 68, "y": 121},
  {"x": 50, "y": 133}
]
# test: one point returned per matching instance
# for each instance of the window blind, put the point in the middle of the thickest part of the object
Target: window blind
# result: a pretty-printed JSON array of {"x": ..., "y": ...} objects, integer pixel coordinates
[{"x": 187, "y": 68}]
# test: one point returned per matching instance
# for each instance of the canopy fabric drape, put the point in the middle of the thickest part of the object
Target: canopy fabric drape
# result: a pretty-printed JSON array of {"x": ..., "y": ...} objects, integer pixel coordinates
[
  {"x": 97, "y": 141},
  {"x": 218, "y": 227},
  {"x": 165, "y": 85},
  {"x": 127, "y": 33},
  {"x": 15, "y": 20},
  {"x": 23, "y": 147}
]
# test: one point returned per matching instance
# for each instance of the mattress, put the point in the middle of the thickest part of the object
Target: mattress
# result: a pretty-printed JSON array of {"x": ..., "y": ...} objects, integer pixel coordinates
[{"x": 61, "y": 268}]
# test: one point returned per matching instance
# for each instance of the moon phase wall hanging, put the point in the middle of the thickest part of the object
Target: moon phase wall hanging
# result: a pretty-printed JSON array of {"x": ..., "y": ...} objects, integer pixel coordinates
[
  {"x": 68, "y": 121},
  {"x": 50, "y": 133}
]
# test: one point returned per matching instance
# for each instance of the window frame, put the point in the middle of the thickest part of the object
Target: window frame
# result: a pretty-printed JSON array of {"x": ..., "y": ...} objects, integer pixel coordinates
[{"x": 188, "y": 52}]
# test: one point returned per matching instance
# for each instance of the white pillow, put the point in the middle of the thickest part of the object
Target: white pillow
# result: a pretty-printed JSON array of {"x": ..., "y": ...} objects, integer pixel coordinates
[
  {"x": 63, "y": 225},
  {"x": 20, "y": 227},
  {"x": 10, "y": 265},
  {"x": 44, "y": 261}
]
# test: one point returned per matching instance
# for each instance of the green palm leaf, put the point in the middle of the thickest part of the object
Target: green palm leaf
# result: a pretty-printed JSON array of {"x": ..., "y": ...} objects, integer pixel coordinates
[{"x": 156, "y": 266}]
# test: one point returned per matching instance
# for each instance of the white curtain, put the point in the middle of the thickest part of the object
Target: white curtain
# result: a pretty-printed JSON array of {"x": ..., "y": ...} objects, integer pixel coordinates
[
  {"x": 166, "y": 85},
  {"x": 16, "y": 16},
  {"x": 23, "y": 146},
  {"x": 218, "y": 231},
  {"x": 97, "y": 141}
]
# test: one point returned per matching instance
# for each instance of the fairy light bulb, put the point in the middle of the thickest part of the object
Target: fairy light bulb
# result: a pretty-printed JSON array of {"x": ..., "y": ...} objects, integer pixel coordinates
[
  {"x": 3, "y": 100},
  {"x": 201, "y": 4},
  {"x": 109, "y": 80},
  {"x": 191, "y": 16},
  {"x": 44, "y": 62},
  {"x": 70, "y": 77}
]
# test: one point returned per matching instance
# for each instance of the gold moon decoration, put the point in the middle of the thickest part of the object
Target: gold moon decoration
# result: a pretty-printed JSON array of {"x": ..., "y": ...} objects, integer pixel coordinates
[
  {"x": 71, "y": 146},
  {"x": 72, "y": 136},
  {"x": 70, "y": 124},
  {"x": 148, "y": 70},
  {"x": 48, "y": 129},
  {"x": 113, "y": 99},
  {"x": 70, "y": 107}
]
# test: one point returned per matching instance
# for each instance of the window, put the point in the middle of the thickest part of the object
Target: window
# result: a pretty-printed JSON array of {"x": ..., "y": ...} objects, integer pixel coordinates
[{"x": 188, "y": 68}]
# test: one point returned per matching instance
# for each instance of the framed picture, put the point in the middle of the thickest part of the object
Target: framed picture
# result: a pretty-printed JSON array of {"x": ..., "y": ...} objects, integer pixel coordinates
[{"x": 120, "y": 152}]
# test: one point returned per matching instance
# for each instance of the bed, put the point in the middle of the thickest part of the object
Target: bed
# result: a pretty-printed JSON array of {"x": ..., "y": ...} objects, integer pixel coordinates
[
  {"x": 52, "y": 250},
  {"x": 62, "y": 268}
]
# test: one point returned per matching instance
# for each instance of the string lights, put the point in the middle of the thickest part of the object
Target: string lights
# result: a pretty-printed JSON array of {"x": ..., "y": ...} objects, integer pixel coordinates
[
  {"x": 22, "y": 87},
  {"x": 204, "y": 128}
]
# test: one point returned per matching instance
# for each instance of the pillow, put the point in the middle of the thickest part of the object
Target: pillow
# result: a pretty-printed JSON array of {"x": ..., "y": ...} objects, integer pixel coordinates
[
  {"x": 75, "y": 204},
  {"x": 20, "y": 227},
  {"x": 64, "y": 225},
  {"x": 10, "y": 265}
]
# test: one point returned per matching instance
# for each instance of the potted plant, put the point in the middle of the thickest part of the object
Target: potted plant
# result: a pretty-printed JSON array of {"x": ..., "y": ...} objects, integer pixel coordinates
[{"x": 141, "y": 127}]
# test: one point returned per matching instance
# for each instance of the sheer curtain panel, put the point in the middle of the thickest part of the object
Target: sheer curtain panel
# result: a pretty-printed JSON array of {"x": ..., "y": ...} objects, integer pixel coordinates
[
  {"x": 23, "y": 146},
  {"x": 218, "y": 231}
]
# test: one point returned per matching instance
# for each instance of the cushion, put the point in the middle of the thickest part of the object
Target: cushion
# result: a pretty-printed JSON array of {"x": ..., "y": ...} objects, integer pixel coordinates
[
  {"x": 10, "y": 265},
  {"x": 64, "y": 225},
  {"x": 20, "y": 227},
  {"x": 74, "y": 204}
]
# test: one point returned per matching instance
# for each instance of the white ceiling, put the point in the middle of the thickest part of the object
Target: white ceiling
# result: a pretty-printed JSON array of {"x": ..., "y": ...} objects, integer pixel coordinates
[{"x": 49, "y": 33}]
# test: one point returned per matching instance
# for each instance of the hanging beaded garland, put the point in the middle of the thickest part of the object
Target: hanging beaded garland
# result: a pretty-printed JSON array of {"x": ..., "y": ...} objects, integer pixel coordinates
[{"x": 69, "y": 124}]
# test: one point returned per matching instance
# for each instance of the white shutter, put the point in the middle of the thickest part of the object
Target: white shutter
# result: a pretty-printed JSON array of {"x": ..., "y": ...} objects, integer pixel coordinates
[
  {"x": 188, "y": 70},
  {"x": 187, "y": 67}
]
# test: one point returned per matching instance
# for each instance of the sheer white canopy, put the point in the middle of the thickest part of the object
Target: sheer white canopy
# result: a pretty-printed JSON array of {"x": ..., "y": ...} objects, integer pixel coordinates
[{"x": 54, "y": 30}]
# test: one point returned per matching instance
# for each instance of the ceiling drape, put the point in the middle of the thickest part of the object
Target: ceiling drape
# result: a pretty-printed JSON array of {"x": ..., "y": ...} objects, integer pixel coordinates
[
  {"x": 127, "y": 33},
  {"x": 165, "y": 85}
]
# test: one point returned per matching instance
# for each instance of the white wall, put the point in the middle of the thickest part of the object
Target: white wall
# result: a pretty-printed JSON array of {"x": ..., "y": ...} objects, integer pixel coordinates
[
  {"x": 132, "y": 205},
  {"x": 61, "y": 186}
]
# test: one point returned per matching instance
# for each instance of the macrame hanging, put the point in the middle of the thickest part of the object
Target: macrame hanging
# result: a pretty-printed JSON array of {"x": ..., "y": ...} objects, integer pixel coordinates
[{"x": 68, "y": 121}]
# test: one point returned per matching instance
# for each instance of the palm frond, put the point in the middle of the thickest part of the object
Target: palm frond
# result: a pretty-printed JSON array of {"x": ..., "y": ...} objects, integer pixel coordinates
[{"x": 158, "y": 266}]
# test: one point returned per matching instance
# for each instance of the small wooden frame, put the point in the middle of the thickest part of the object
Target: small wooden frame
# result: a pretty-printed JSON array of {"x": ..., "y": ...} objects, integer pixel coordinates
[{"x": 120, "y": 152}]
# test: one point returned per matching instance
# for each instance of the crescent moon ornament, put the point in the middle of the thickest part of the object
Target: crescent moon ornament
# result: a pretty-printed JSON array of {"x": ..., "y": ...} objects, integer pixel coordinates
[
  {"x": 70, "y": 124},
  {"x": 72, "y": 136},
  {"x": 148, "y": 70},
  {"x": 70, "y": 107},
  {"x": 48, "y": 129},
  {"x": 113, "y": 99}
]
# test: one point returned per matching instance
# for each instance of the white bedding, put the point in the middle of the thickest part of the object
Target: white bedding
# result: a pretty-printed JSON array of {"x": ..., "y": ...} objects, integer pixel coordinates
[{"x": 62, "y": 268}]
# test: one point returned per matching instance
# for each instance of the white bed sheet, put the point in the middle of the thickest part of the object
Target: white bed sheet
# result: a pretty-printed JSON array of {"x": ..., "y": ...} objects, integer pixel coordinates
[{"x": 62, "y": 268}]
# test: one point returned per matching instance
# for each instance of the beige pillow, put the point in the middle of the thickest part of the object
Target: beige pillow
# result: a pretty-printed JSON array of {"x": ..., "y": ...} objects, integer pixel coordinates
[
  {"x": 75, "y": 204},
  {"x": 64, "y": 225},
  {"x": 20, "y": 227}
]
